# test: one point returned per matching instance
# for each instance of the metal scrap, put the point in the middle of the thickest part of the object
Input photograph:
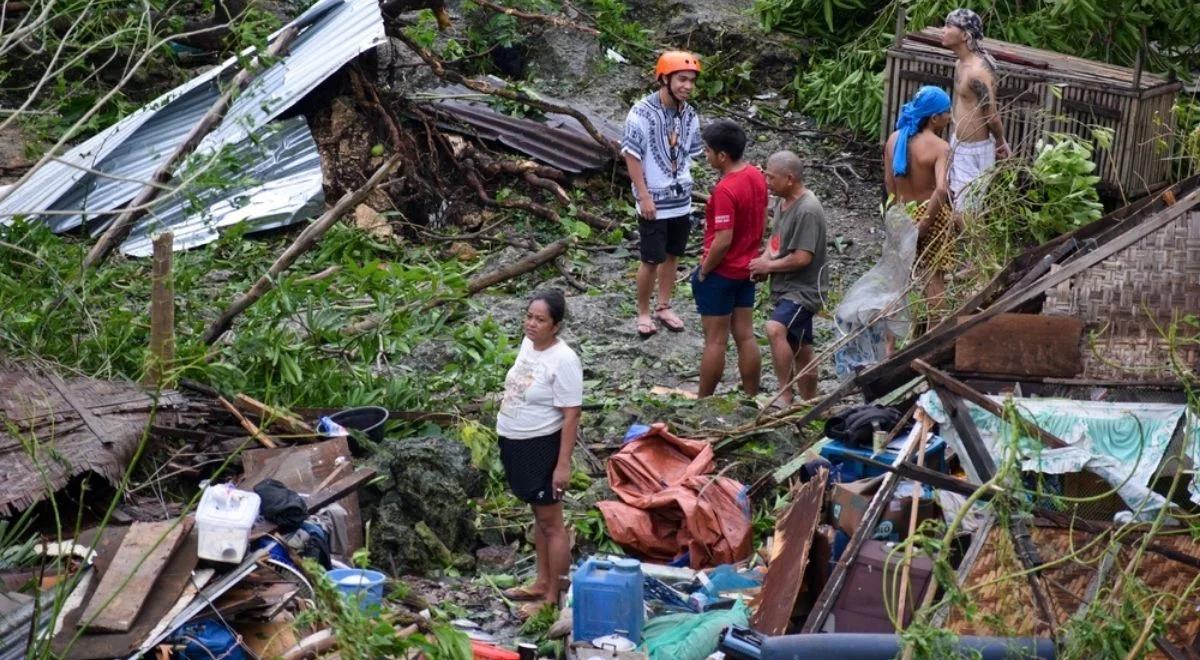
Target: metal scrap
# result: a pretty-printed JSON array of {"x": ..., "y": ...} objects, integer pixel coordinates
[
  {"x": 90, "y": 182},
  {"x": 557, "y": 140}
]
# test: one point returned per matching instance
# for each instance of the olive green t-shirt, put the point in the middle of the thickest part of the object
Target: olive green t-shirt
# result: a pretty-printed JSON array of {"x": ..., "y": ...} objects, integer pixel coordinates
[{"x": 800, "y": 227}]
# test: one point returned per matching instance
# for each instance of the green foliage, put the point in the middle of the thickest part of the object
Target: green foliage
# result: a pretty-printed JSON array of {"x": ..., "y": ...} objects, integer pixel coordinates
[
  {"x": 590, "y": 525},
  {"x": 617, "y": 29},
  {"x": 722, "y": 79},
  {"x": 841, "y": 82},
  {"x": 365, "y": 634},
  {"x": 1187, "y": 122},
  {"x": 289, "y": 348},
  {"x": 1030, "y": 204},
  {"x": 540, "y": 622}
]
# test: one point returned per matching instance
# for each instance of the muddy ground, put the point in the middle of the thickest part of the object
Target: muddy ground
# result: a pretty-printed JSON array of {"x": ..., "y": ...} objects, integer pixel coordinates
[
  {"x": 844, "y": 174},
  {"x": 621, "y": 369}
]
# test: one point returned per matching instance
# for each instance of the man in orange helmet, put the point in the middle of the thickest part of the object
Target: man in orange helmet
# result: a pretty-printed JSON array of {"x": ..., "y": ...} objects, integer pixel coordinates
[{"x": 662, "y": 138}]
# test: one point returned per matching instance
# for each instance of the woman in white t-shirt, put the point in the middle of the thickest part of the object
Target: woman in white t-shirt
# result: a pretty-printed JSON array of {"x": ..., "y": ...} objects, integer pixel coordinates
[{"x": 537, "y": 424}]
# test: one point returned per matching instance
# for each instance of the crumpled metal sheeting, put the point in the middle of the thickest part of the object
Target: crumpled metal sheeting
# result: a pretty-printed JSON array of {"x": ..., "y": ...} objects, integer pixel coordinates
[
  {"x": 285, "y": 189},
  {"x": 559, "y": 140},
  {"x": 135, "y": 147}
]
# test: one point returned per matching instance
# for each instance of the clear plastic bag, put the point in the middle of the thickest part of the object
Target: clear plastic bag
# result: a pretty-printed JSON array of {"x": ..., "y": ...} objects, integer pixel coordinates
[{"x": 877, "y": 303}]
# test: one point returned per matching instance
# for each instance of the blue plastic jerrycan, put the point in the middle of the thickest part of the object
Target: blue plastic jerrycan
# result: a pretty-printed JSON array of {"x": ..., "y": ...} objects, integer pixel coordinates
[{"x": 608, "y": 599}]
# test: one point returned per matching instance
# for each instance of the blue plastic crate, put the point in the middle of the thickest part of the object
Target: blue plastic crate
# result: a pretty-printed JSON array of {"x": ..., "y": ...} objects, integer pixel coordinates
[{"x": 847, "y": 469}]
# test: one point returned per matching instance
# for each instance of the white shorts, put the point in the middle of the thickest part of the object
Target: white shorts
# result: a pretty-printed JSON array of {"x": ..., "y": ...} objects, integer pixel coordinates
[{"x": 968, "y": 162}]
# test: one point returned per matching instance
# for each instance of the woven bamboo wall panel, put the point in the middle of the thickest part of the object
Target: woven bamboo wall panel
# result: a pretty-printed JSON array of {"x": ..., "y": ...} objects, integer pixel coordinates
[
  {"x": 1124, "y": 297},
  {"x": 1006, "y": 607},
  {"x": 1005, "y": 604}
]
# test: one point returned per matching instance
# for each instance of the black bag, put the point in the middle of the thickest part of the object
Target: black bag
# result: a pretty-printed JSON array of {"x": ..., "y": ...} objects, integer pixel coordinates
[
  {"x": 855, "y": 426},
  {"x": 281, "y": 505}
]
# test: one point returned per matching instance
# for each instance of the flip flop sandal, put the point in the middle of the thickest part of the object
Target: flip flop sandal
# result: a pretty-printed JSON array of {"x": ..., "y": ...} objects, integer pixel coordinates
[
  {"x": 646, "y": 330},
  {"x": 522, "y": 593},
  {"x": 676, "y": 327}
]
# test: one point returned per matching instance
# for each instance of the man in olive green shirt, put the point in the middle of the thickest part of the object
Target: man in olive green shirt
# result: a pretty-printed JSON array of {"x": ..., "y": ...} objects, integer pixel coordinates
[{"x": 795, "y": 263}]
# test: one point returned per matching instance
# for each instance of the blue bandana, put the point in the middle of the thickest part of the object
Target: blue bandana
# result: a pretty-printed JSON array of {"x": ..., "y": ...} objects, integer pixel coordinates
[{"x": 927, "y": 102}]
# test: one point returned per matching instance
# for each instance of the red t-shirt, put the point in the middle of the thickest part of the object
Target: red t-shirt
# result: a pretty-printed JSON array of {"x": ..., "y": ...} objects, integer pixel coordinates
[{"x": 738, "y": 202}]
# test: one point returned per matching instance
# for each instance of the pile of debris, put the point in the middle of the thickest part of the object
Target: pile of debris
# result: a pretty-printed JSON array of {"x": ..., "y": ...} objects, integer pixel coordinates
[{"x": 223, "y": 571}]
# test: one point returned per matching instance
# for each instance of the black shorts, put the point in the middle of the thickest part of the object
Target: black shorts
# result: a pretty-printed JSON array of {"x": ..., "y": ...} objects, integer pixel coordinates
[
  {"x": 529, "y": 466},
  {"x": 658, "y": 238},
  {"x": 798, "y": 321}
]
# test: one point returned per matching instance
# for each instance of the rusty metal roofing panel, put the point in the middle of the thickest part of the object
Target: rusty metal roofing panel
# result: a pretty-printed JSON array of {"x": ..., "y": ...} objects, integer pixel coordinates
[
  {"x": 558, "y": 140},
  {"x": 129, "y": 152}
]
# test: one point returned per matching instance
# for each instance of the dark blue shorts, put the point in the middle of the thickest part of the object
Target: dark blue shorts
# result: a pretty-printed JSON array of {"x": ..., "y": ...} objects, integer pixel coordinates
[
  {"x": 718, "y": 295},
  {"x": 798, "y": 321}
]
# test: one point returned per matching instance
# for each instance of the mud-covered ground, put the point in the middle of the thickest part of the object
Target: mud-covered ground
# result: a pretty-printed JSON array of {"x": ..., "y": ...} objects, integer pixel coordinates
[{"x": 845, "y": 175}]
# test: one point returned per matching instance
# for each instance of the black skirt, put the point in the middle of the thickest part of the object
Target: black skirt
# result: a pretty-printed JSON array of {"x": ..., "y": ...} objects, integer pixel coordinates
[{"x": 529, "y": 466}]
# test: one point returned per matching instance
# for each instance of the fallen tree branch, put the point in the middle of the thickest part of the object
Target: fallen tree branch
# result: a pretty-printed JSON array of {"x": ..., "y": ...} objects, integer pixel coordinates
[
  {"x": 556, "y": 21},
  {"x": 303, "y": 243},
  {"x": 568, "y": 276},
  {"x": 504, "y": 273},
  {"x": 439, "y": 69},
  {"x": 477, "y": 284},
  {"x": 120, "y": 227}
]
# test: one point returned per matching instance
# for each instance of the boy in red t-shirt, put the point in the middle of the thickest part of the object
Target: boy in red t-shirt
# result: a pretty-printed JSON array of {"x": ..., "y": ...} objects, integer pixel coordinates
[{"x": 735, "y": 216}]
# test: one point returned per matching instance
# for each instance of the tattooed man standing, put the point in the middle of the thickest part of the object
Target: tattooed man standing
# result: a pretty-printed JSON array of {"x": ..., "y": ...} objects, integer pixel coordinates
[{"x": 977, "y": 136}]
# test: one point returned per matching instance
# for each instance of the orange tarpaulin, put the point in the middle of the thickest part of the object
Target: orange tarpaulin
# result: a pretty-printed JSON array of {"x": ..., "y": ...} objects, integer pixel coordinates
[{"x": 670, "y": 503}]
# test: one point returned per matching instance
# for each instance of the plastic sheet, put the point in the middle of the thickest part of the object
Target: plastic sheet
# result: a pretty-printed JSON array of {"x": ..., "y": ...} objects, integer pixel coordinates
[
  {"x": 876, "y": 304},
  {"x": 690, "y": 636},
  {"x": 670, "y": 502}
]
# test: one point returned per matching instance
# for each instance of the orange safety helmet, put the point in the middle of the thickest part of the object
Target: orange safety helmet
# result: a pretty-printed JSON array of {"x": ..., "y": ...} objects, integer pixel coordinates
[{"x": 674, "y": 61}]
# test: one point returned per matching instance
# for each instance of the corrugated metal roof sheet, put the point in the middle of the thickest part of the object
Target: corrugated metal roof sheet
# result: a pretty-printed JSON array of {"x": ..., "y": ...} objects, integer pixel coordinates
[
  {"x": 558, "y": 140},
  {"x": 133, "y": 148},
  {"x": 281, "y": 187}
]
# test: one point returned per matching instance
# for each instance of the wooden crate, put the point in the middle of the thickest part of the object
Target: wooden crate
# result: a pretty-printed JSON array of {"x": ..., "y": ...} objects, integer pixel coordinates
[{"x": 1051, "y": 92}]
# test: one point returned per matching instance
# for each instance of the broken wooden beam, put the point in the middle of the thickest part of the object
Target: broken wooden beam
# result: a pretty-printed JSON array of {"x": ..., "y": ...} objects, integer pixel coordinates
[
  {"x": 272, "y": 415},
  {"x": 256, "y": 433},
  {"x": 829, "y": 595},
  {"x": 162, "y": 312},
  {"x": 961, "y": 389}
]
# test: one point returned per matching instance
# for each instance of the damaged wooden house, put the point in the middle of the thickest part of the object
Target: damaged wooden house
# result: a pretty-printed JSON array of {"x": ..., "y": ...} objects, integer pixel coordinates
[{"x": 1062, "y": 393}]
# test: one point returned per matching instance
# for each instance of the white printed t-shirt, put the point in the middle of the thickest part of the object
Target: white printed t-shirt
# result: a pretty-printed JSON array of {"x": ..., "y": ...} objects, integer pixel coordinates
[
  {"x": 537, "y": 386},
  {"x": 666, "y": 163}
]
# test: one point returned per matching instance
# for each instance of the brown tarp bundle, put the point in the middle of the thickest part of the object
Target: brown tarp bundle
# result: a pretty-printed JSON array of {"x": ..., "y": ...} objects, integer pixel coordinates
[{"x": 670, "y": 502}]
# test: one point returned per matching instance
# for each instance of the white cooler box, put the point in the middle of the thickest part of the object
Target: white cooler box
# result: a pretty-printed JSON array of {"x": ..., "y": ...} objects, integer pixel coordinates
[{"x": 223, "y": 521}]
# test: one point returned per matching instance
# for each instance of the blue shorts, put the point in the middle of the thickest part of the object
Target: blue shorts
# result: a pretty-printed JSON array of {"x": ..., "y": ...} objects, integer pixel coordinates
[
  {"x": 718, "y": 295},
  {"x": 798, "y": 321}
]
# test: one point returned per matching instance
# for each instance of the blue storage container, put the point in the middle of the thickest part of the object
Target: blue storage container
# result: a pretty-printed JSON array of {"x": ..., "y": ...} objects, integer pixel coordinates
[
  {"x": 851, "y": 470},
  {"x": 607, "y": 599}
]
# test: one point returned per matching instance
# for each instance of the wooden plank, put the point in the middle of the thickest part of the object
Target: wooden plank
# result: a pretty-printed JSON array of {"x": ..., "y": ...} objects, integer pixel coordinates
[
  {"x": 256, "y": 433},
  {"x": 1032, "y": 345},
  {"x": 303, "y": 468},
  {"x": 127, "y": 583},
  {"x": 961, "y": 389},
  {"x": 829, "y": 595},
  {"x": 162, "y": 311},
  {"x": 897, "y": 368},
  {"x": 793, "y": 537}
]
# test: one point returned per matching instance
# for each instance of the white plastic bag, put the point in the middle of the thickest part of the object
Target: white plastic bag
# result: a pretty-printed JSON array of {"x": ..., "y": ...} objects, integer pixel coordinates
[{"x": 877, "y": 303}]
